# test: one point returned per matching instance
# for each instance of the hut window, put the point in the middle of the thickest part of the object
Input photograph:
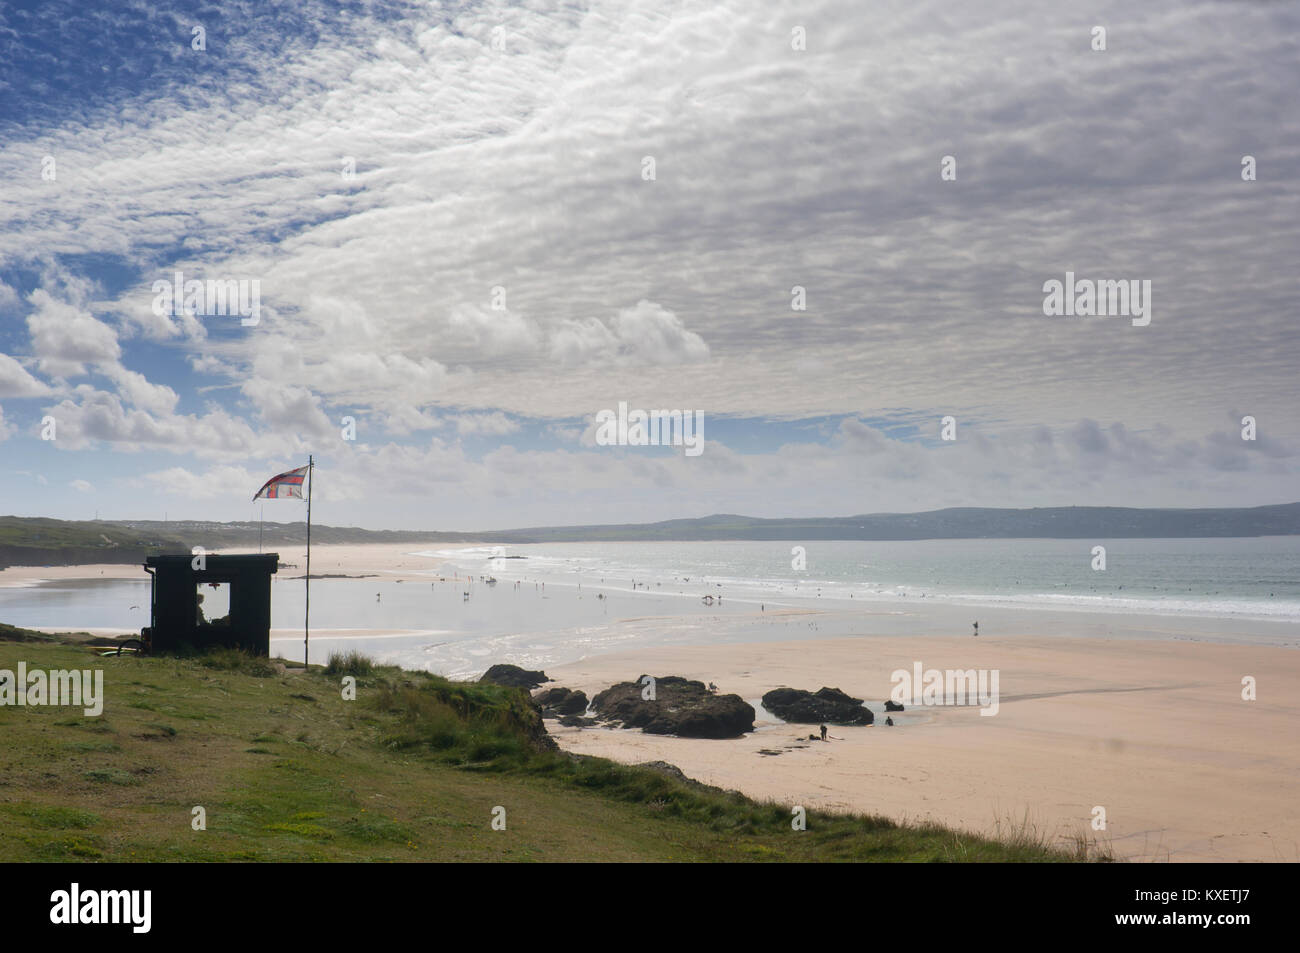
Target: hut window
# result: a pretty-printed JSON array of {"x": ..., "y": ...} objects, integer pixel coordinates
[{"x": 212, "y": 603}]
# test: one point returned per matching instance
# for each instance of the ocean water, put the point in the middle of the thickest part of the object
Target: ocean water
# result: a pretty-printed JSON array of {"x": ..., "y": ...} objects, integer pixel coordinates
[
  {"x": 562, "y": 602},
  {"x": 1255, "y": 578}
]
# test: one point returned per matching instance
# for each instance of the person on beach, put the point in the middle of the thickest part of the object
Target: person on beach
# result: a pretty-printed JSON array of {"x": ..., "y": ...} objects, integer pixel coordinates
[
  {"x": 977, "y": 629},
  {"x": 823, "y": 727}
]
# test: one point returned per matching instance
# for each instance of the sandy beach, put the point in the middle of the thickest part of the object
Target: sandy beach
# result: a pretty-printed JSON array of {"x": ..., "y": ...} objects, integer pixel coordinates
[
  {"x": 391, "y": 560},
  {"x": 1154, "y": 732}
]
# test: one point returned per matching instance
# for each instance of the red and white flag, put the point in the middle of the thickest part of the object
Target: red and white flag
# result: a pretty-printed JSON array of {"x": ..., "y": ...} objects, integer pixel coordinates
[{"x": 284, "y": 486}]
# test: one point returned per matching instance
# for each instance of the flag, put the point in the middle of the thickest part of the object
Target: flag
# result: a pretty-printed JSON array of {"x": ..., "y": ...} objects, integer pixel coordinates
[{"x": 283, "y": 486}]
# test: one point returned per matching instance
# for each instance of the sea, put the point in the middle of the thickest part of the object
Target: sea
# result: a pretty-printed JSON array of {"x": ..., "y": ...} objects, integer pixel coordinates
[{"x": 551, "y": 603}]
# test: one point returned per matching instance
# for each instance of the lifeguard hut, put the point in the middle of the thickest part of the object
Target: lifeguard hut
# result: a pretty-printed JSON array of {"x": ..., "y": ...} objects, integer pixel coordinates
[{"x": 225, "y": 603}]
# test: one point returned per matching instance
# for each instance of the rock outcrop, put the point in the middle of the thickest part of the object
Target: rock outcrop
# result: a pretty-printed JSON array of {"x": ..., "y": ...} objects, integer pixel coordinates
[
  {"x": 513, "y": 676},
  {"x": 826, "y": 705},
  {"x": 680, "y": 707},
  {"x": 561, "y": 701}
]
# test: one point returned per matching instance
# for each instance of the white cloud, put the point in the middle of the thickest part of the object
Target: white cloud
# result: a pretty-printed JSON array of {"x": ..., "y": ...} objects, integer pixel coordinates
[
  {"x": 647, "y": 334},
  {"x": 492, "y": 333},
  {"x": 218, "y": 483},
  {"x": 775, "y": 168},
  {"x": 135, "y": 389},
  {"x": 293, "y": 411},
  {"x": 65, "y": 336},
  {"x": 15, "y": 381},
  {"x": 494, "y": 424},
  {"x": 89, "y": 416}
]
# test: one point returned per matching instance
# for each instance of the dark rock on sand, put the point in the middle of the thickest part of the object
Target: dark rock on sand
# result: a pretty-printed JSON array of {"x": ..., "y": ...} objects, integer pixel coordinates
[
  {"x": 681, "y": 707},
  {"x": 577, "y": 721},
  {"x": 827, "y": 705},
  {"x": 513, "y": 676},
  {"x": 892, "y": 705},
  {"x": 561, "y": 701}
]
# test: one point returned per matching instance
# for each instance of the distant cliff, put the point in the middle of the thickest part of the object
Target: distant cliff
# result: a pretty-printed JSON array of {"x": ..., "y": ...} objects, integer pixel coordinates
[
  {"x": 47, "y": 542},
  {"x": 1059, "y": 522}
]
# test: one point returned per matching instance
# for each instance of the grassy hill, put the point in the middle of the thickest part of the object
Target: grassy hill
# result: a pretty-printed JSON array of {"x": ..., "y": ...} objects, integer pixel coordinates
[
  {"x": 46, "y": 542},
  {"x": 287, "y": 770},
  {"x": 29, "y": 541}
]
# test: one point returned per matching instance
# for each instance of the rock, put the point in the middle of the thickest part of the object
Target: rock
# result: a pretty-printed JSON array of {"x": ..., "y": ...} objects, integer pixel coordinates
[
  {"x": 828, "y": 705},
  {"x": 577, "y": 721},
  {"x": 535, "y": 729},
  {"x": 561, "y": 701},
  {"x": 681, "y": 707},
  {"x": 893, "y": 706},
  {"x": 663, "y": 767},
  {"x": 513, "y": 676}
]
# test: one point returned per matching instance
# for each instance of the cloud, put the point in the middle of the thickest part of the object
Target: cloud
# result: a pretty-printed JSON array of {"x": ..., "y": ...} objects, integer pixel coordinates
[
  {"x": 64, "y": 336},
  {"x": 214, "y": 484},
  {"x": 294, "y": 411},
  {"x": 647, "y": 334},
  {"x": 492, "y": 333},
  {"x": 135, "y": 389},
  {"x": 15, "y": 381},
  {"x": 81, "y": 486},
  {"x": 494, "y": 424},
  {"x": 521, "y": 168},
  {"x": 90, "y": 416}
]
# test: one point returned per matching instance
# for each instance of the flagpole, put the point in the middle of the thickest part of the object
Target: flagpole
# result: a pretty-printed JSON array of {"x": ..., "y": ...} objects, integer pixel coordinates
[{"x": 306, "y": 624}]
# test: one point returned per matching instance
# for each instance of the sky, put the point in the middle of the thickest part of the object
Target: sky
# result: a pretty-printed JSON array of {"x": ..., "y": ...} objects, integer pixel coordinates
[{"x": 470, "y": 228}]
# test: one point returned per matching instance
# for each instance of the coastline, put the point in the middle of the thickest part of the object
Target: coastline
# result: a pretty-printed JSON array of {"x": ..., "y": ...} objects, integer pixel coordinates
[
  {"x": 353, "y": 559},
  {"x": 1141, "y": 716}
]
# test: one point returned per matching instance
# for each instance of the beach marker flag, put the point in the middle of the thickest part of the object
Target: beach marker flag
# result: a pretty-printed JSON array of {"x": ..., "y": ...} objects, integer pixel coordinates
[
  {"x": 289, "y": 486},
  {"x": 283, "y": 486}
]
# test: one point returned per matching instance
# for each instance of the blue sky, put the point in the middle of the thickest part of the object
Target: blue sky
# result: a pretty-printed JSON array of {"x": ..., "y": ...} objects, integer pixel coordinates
[{"x": 446, "y": 211}]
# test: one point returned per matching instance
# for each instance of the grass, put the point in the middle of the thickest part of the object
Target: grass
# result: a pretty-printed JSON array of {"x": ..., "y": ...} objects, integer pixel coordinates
[
  {"x": 286, "y": 769},
  {"x": 350, "y": 663}
]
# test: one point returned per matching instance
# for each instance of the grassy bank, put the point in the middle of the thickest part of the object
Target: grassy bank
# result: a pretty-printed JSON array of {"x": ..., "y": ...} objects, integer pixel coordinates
[{"x": 286, "y": 769}]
